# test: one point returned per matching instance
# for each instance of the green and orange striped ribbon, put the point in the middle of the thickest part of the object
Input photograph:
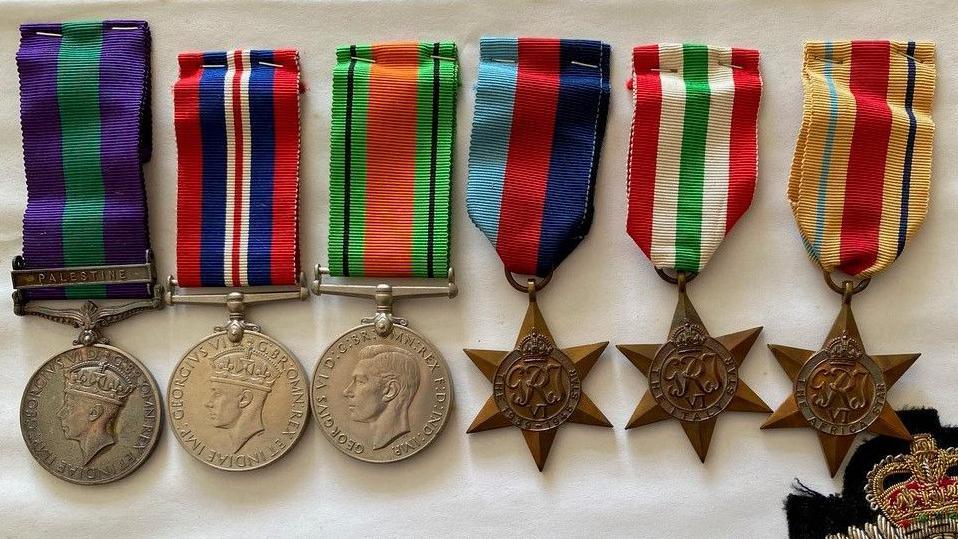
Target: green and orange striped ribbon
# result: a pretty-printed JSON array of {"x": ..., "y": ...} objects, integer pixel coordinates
[{"x": 393, "y": 126}]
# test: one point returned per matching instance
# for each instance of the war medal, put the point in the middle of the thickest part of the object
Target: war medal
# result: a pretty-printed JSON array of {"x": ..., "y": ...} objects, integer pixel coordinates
[
  {"x": 90, "y": 414},
  {"x": 382, "y": 392},
  {"x": 238, "y": 399},
  {"x": 859, "y": 190},
  {"x": 692, "y": 170},
  {"x": 540, "y": 116}
]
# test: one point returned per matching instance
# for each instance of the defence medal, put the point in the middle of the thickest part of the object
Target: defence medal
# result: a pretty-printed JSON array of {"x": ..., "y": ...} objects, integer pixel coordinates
[
  {"x": 540, "y": 116},
  {"x": 237, "y": 399},
  {"x": 692, "y": 170},
  {"x": 382, "y": 392},
  {"x": 90, "y": 414},
  {"x": 859, "y": 191}
]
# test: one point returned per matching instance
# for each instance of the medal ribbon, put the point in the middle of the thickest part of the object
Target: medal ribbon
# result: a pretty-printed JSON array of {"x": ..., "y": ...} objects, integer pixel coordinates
[
  {"x": 862, "y": 168},
  {"x": 540, "y": 116},
  {"x": 693, "y": 156},
  {"x": 237, "y": 136},
  {"x": 393, "y": 127},
  {"x": 84, "y": 111}
]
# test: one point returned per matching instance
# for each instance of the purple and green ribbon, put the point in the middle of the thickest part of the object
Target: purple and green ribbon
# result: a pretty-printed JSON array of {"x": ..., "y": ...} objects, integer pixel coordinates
[{"x": 85, "y": 116}]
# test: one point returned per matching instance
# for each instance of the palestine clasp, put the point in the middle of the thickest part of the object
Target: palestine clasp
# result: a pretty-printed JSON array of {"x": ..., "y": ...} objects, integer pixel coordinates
[
  {"x": 384, "y": 295},
  {"x": 90, "y": 318},
  {"x": 236, "y": 302}
]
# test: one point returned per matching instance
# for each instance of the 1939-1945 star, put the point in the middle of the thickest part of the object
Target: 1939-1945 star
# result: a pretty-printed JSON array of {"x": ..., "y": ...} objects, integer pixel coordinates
[{"x": 536, "y": 386}]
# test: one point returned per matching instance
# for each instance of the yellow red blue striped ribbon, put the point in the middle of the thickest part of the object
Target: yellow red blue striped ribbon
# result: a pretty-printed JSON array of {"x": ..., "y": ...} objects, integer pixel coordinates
[{"x": 861, "y": 172}]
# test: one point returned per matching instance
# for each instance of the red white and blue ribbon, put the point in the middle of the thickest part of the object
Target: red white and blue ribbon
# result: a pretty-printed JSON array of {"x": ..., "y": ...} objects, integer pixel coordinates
[
  {"x": 540, "y": 116},
  {"x": 237, "y": 135}
]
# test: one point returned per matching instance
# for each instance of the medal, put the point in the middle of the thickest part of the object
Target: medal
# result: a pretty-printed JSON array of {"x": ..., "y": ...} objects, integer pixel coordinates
[
  {"x": 237, "y": 399},
  {"x": 382, "y": 392},
  {"x": 692, "y": 169},
  {"x": 540, "y": 116},
  {"x": 859, "y": 191},
  {"x": 90, "y": 414}
]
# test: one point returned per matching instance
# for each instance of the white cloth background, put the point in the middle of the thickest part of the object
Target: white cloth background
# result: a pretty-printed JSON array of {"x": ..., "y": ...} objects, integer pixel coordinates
[{"x": 646, "y": 482}]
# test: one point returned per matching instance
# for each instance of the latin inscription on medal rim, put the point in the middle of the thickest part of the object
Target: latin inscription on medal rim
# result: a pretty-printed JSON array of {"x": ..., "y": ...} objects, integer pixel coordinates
[
  {"x": 693, "y": 377},
  {"x": 840, "y": 390},
  {"x": 238, "y": 406},
  {"x": 536, "y": 386},
  {"x": 91, "y": 414},
  {"x": 381, "y": 399}
]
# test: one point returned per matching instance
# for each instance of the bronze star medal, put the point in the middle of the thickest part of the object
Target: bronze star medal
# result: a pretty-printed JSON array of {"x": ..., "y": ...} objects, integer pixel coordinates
[
  {"x": 840, "y": 390},
  {"x": 693, "y": 377},
  {"x": 536, "y": 386}
]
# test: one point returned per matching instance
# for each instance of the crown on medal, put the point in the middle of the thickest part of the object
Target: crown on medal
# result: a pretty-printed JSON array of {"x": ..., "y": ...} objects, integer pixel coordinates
[
  {"x": 915, "y": 488},
  {"x": 536, "y": 345},
  {"x": 843, "y": 350},
  {"x": 244, "y": 370},
  {"x": 689, "y": 337},
  {"x": 100, "y": 380}
]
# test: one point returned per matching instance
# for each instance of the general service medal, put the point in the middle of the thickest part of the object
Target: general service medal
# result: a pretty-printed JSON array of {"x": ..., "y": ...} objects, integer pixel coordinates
[
  {"x": 382, "y": 392},
  {"x": 237, "y": 400},
  {"x": 532, "y": 171},
  {"x": 679, "y": 213},
  {"x": 858, "y": 199},
  {"x": 90, "y": 414}
]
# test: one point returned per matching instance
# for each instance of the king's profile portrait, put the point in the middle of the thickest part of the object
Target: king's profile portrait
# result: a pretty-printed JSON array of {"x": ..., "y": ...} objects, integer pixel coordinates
[
  {"x": 380, "y": 391},
  {"x": 240, "y": 383},
  {"x": 94, "y": 393}
]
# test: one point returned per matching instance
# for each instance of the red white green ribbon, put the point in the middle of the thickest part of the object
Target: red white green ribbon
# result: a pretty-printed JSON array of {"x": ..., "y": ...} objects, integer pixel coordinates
[{"x": 693, "y": 154}]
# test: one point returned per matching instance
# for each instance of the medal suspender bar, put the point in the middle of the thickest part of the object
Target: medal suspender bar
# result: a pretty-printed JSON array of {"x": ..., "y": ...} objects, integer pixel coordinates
[
  {"x": 237, "y": 134},
  {"x": 393, "y": 128},
  {"x": 85, "y": 116}
]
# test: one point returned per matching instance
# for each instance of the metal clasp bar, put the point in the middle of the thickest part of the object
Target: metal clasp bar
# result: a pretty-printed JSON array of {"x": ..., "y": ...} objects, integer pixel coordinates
[
  {"x": 236, "y": 302},
  {"x": 90, "y": 318},
  {"x": 384, "y": 295}
]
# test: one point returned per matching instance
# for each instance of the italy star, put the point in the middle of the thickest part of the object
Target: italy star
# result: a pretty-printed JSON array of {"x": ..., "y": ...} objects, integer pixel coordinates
[
  {"x": 840, "y": 390},
  {"x": 537, "y": 387},
  {"x": 693, "y": 377}
]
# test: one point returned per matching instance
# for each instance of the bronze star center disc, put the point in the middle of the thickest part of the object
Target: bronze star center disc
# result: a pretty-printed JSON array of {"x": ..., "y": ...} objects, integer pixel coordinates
[
  {"x": 693, "y": 377},
  {"x": 536, "y": 386},
  {"x": 840, "y": 390}
]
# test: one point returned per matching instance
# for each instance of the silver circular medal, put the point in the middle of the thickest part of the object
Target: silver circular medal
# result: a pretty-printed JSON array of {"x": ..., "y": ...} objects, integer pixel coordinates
[
  {"x": 91, "y": 414},
  {"x": 381, "y": 398},
  {"x": 238, "y": 406}
]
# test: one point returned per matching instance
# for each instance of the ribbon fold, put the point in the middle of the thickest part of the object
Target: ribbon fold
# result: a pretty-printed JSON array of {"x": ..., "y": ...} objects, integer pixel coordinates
[
  {"x": 693, "y": 155},
  {"x": 237, "y": 138},
  {"x": 541, "y": 107},
  {"x": 393, "y": 133},
  {"x": 861, "y": 173}
]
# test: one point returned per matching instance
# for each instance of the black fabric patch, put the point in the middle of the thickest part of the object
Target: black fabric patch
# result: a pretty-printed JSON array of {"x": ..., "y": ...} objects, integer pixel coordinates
[{"x": 812, "y": 515}]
